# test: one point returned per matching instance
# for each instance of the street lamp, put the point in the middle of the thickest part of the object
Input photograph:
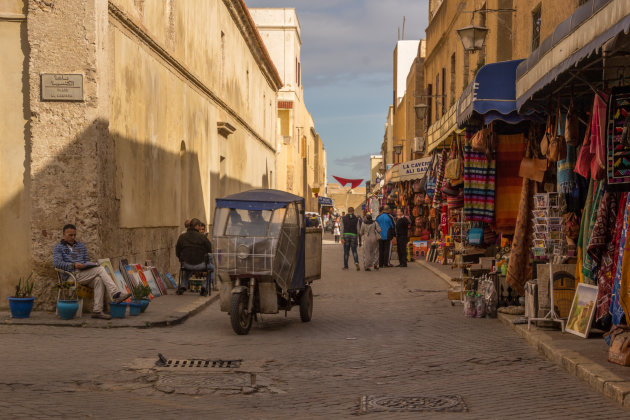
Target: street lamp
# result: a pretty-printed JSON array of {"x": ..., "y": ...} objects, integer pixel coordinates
[
  {"x": 473, "y": 37},
  {"x": 398, "y": 151},
  {"x": 421, "y": 111}
]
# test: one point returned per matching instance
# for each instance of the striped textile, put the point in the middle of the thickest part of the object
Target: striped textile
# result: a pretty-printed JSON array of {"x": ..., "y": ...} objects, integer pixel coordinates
[
  {"x": 479, "y": 185},
  {"x": 441, "y": 167},
  {"x": 510, "y": 151}
]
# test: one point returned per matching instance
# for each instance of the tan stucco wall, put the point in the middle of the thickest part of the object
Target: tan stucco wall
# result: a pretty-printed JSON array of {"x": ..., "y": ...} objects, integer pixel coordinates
[
  {"x": 552, "y": 13},
  {"x": 142, "y": 151},
  {"x": 15, "y": 248}
]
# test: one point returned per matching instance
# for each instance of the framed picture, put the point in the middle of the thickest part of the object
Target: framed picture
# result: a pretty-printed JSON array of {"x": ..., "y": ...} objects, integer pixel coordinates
[
  {"x": 553, "y": 201},
  {"x": 555, "y": 228},
  {"x": 539, "y": 243},
  {"x": 539, "y": 252},
  {"x": 541, "y": 201},
  {"x": 582, "y": 310},
  {"x": 540, "y": 235}
]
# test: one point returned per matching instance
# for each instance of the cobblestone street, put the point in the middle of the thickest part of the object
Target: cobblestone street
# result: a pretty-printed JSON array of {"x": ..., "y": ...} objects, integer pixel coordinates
[{"x": 385, "y": 333}]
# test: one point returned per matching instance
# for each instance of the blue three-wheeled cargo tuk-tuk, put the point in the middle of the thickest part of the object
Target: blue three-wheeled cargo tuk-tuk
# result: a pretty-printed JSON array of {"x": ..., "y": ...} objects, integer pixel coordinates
[{"x": 265, "y": 256}]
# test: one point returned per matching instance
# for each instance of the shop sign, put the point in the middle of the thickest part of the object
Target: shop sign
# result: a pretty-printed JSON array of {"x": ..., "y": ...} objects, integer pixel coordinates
[
  {"x": 414, "y": 169},
  {"x": 325, "y": 201}
]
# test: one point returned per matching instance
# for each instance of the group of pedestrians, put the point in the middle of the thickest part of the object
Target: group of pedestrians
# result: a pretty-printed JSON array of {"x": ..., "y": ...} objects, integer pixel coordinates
[{"x": 376, "y": 236}]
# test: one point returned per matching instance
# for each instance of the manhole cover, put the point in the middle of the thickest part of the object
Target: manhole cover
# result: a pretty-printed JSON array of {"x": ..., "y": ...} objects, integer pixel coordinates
[{"x": 446, "y": 403}]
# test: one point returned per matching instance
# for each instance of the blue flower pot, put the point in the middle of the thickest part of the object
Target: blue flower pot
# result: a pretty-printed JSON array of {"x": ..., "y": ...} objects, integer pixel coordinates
[
  {"x": 117, "y": 310},
  {"x": 143, "y": 303},
  {"x": 135, "y": 308},
  {"x": 67, "y": 309},
  {"x": 21, "y": 307}
]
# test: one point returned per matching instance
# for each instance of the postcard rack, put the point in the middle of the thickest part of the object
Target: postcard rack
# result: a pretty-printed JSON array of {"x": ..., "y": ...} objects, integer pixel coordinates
[
  {"x": 551, "y": 316},
  {"x": 459, "y": 234}
]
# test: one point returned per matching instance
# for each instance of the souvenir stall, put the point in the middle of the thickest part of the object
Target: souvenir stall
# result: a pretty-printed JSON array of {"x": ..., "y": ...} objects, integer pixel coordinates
[
  {"x": 406, "y": 190},
  {"x": 491, "y": 151},
  {"x": 570, "y": 237}
]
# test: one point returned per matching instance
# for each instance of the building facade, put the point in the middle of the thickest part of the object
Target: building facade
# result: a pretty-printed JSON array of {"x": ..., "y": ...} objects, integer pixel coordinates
[
  {"x": 515, "y": 29},
  {"x": 126, "y": 117},
  {"x": 300, "y": 159}
]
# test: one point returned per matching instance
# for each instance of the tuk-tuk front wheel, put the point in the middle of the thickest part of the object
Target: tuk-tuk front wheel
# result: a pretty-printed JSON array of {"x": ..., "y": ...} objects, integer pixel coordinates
[
  {"x": 240, "y": 318},
  {"x": 306, "y": 304}
]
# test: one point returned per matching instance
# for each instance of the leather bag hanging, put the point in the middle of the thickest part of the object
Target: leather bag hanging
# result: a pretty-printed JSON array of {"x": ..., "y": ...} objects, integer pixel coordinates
[
  {"x": 532, "y": 167},
  {"x": 454, "y": 165},
  {"x": 480, "y": 141},
  {"x": 557, "y": 149},
  {"x": 546, "y": 138},
  {"x": 572, "y": 126}
]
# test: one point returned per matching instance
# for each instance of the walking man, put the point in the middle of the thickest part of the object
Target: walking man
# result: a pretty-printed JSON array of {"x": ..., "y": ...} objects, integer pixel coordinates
[
  {"x": 402, "y": 237},
  {"x": 388, "y": 231},
  {"x": 350, "y": 232}
]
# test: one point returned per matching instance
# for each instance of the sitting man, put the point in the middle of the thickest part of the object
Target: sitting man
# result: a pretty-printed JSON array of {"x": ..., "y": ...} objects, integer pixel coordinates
[
  {"x": 192, "y": 250},
  {"x": 70, "y": 255}
]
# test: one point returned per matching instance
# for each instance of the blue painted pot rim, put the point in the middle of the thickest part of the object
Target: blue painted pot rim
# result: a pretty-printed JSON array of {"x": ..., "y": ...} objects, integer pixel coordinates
[{"x": 25, "y": 299}]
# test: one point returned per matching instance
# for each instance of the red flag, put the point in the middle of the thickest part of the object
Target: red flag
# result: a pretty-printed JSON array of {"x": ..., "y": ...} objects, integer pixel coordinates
[{"x": 353, "y": 182}]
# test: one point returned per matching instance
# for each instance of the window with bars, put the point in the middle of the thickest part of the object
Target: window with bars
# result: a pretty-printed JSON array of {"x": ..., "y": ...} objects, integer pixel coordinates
[{"x": 536, "y": 24}]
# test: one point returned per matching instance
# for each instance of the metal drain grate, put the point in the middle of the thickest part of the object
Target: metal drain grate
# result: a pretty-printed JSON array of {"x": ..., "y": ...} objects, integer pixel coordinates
[
  {"x": 197, "y": 363},
  {"x": 444, "y": 403}
]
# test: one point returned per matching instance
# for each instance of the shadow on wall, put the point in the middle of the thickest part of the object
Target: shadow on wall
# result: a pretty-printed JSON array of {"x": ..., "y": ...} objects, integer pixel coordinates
[{"x": 127, "y": 199}]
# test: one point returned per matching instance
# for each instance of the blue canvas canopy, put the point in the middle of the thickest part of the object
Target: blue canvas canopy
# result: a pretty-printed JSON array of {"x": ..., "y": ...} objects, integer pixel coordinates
[{"x": 261, "y": 199}]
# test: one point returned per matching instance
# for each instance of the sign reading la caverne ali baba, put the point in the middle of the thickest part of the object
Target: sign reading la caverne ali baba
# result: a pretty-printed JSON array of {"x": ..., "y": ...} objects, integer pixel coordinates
[
  {"x": 414, "y": 169},
  {"x": 62, "y": 87}
]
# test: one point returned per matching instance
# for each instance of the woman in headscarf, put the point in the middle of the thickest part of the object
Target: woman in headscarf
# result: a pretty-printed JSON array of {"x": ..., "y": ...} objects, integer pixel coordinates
[{"x": 370, "y": 234}]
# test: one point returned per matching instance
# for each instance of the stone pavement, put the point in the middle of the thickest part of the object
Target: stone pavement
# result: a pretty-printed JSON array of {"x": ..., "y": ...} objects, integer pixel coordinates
[
  {"x": 584, "y": 358},
  {"x": 387, "y": 333},
  {"x": 163, "y": 311}
]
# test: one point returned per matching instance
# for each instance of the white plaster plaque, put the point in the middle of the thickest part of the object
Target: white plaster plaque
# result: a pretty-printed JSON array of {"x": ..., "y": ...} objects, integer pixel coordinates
[{"x": 62, "y": 87}]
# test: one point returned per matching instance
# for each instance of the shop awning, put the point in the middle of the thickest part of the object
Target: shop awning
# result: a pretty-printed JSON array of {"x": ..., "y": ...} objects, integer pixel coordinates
[
  {"x": 414, "y": 169},
  {"x": 491, "y": 92},
  {"x": 442, "y": 129},
  {"x": 573, "y": 40}
]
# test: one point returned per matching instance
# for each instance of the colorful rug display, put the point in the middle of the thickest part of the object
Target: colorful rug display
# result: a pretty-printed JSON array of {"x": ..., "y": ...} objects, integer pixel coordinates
[
  {"x": 441, "y": 167},
  {"x": 601, "y": 249},
  {"x": 509, "y": 154},
  {"x": 479, "y": 185},
  {"x": 618, "y": 140},
  {"x": 616, "y": 310}
]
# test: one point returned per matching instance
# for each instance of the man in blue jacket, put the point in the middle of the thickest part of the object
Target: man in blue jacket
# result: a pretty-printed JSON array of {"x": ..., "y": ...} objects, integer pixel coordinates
[{"x": 388, "y": 231}]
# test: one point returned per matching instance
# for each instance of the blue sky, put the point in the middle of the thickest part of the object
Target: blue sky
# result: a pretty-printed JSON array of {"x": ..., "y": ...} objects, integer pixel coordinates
[{"x": 347, "y": 50}]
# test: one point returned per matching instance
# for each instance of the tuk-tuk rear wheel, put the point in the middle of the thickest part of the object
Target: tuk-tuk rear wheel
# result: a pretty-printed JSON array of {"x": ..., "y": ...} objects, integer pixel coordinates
[
  {"x": 306, "y": 304},
  {"x": 240, "y": 318}
]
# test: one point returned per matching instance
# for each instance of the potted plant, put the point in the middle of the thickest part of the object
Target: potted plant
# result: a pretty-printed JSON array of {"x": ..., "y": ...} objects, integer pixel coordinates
[
  {"x": 67, "y": 301},
  {"x": 140, "y": 299},
  {"x": 21, "y": 304}
]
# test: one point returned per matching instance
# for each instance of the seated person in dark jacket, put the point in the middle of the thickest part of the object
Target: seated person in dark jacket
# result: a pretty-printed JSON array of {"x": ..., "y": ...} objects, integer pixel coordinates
[{"x": 192, "y": 250}]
